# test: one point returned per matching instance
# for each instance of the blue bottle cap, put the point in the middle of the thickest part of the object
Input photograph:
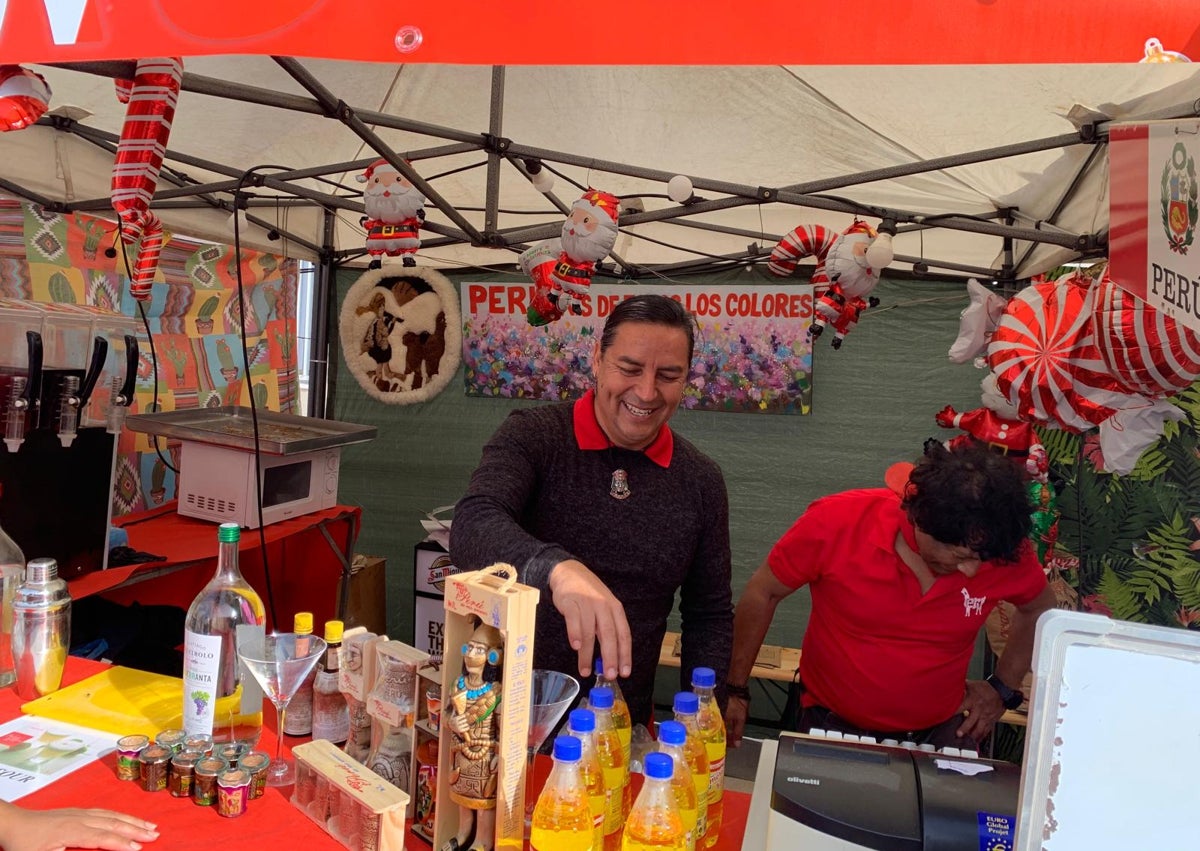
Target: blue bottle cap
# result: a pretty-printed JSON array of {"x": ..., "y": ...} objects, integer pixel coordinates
[
  {"x": 582, "y": 720},
  {"x": 687, "y": 702},
  {"x": 704, "y": 677},
  {"x": 567, "y": 749},
  {"x": 672, "y": 733},
  {"x": 659, "y": 766},
  {"x": 601, "y": 697},
  {"x": 598, "y": 666}
]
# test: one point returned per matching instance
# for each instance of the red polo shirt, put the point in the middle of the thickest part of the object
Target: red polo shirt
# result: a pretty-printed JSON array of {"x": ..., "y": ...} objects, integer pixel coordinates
[
  {"x": 877, "y": 651},
  {"x": 589, "y": 435}
]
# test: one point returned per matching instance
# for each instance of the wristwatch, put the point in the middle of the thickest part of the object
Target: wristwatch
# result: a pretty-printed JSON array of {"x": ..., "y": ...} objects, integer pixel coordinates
[{"x": 1010, "y": 697}]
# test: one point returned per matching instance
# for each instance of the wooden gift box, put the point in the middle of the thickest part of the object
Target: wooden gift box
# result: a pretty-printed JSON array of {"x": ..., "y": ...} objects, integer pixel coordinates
[{"x": 495, "y": 597}]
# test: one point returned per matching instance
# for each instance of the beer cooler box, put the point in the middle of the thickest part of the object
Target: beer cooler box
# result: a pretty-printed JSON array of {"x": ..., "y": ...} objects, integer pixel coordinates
[{"x": 431, "y": 566}]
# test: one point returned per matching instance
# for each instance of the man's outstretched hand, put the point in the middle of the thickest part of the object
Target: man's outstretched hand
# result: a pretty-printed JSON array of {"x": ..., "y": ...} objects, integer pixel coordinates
[{"x": 592, "y": 614}]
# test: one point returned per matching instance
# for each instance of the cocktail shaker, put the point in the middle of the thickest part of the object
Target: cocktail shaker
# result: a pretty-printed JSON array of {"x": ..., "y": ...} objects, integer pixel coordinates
[{"x": 41, "y": 629}]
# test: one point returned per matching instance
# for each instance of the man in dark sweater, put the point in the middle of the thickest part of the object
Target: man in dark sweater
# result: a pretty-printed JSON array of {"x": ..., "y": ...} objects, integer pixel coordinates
[{"x": 601, "y": 506}]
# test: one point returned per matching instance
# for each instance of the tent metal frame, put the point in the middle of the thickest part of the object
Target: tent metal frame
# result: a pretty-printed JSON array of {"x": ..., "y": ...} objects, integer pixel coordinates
[{"x": 236, "y": 192}]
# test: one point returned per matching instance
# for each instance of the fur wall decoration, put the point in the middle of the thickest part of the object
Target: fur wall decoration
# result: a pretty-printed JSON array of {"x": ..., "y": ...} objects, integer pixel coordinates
[{"x": 401, "y": 333}]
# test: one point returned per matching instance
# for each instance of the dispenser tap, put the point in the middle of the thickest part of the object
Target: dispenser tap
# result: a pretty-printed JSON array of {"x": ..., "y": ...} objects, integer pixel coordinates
[
  {"x": 74, "y": 397},
  {"x": 14, "y": 415},
  {"x": 122, "y": 391},
  {"x": 26, "y": 396}
]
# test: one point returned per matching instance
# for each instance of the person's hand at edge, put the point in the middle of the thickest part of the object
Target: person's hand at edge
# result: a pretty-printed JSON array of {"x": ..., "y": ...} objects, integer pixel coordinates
[
  {"x": 592, "y": 614},
  {"x": 982, "y": 707},
  {"x": 737, "y": 710},
  {"x": 53, "y": 830}
]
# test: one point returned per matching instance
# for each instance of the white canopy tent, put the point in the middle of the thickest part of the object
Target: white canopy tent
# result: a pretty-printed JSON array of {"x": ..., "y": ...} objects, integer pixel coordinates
[{"x": 993, "y": 170}]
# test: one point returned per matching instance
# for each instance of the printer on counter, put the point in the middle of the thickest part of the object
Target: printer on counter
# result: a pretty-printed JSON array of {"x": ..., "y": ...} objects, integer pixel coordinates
[{"x": 837, "y": 794}]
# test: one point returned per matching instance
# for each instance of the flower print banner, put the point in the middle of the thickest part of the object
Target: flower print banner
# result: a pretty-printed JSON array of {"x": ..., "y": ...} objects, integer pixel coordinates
[{"x": 753, "y": 354}]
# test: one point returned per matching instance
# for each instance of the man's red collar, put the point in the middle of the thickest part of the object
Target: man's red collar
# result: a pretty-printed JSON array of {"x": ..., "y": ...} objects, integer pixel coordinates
[{"x": 589, "y": 435}]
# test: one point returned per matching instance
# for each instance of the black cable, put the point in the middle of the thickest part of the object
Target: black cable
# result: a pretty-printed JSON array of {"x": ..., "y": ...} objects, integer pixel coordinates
[
  {"x": 153, "y": 354},
  {"x": 249, "y": 385}
]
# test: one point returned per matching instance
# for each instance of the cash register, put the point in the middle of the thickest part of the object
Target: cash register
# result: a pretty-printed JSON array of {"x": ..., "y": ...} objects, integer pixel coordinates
[{"x": 826, "y": 792}]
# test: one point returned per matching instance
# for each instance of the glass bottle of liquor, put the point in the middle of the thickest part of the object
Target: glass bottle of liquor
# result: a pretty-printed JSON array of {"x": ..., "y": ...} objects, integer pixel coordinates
[
  {"x": 331, "y": 715},
  {"x": 298, "y": 721},
  {"x": 12, "y": 571},
  {"x": 220, "y": 697}
]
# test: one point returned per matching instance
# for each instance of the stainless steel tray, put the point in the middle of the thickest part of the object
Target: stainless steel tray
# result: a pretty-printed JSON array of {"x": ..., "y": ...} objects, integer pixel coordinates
[{"x": 278, "y": 434}]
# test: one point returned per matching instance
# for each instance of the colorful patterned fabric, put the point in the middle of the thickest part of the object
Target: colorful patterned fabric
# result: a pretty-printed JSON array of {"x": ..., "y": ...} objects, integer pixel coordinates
[{"x": 193, "y": 314}]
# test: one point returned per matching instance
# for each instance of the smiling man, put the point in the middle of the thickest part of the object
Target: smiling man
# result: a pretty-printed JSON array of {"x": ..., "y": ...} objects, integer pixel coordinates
[
  {"x": 901, "y": 584},
  {"x": 599, "y": 504}
]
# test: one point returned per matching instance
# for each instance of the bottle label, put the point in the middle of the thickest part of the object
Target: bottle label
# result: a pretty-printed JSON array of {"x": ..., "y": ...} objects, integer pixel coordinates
[
  {"x": 716, "y": 771},
  {"x": 201, "y": 665},
  {"x": 614, "y": 799}
]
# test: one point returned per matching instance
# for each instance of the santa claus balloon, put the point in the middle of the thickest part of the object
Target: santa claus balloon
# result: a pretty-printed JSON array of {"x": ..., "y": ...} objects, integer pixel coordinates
[
  {"x": 847, "y": 270},
  {"x": 562, "y": 268},
  {"x": 395, "y": 213}
]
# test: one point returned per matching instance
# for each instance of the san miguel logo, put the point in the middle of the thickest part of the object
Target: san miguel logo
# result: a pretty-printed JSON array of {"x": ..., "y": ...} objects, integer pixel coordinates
[{"x": 1178, "y": 199}]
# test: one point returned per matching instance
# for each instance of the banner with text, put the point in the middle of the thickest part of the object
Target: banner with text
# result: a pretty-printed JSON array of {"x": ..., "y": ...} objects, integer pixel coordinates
[
  {"x": 1153, "y": 215},
  {"x": 752, "y": 354}
]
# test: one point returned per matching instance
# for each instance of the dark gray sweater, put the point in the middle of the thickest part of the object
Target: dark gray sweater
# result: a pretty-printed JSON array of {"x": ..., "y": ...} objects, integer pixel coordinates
[{"x": 537, "y": 499}]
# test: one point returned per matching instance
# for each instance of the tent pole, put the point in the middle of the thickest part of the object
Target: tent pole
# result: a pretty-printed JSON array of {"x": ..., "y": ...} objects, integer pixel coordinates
[
  {"x": 338, "y": 109},
  {"x": 319, "y": 393},
  {"x": 491, "y": 212}
]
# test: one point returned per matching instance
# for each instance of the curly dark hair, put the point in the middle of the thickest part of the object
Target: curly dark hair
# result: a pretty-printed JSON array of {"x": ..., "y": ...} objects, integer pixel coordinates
[{"x": 969, "y": 496}]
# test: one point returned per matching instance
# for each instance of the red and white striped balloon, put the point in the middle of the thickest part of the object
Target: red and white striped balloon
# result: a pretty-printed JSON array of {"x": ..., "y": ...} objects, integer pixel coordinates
[
  {"x": 1145, "y": 350},
  {"x": 24, "y": 97},
  {"x": 148, "y": 116},
  {"x": 1046, "y": 361},
  {"x": 804, "y": 241}
]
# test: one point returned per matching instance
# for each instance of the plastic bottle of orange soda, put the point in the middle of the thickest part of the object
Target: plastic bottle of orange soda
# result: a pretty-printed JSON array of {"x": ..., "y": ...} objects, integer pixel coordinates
[
  {"x": 712, "y": 731},
  {"x": 582, "y": 724},
  {"x": 562, "y": 820},
  {"x": 672, "y": 736},
  {"x": 654, "y": 823},
  {"x": 612, "y": 765},
  {"x": 687, "y": 709},
  {"x": 620, "y": 710}
]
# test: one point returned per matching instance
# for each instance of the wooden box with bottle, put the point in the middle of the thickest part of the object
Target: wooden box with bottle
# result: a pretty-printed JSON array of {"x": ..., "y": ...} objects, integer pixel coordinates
[{"x": 481, "y": 751}]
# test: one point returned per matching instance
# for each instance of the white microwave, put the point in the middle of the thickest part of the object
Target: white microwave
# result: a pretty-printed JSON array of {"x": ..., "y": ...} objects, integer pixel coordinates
[{"x": 217, "y": 483}]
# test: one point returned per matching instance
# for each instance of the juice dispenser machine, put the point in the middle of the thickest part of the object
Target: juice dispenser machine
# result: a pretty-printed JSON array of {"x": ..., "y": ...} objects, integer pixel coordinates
[{"x": 67, "y": 376}]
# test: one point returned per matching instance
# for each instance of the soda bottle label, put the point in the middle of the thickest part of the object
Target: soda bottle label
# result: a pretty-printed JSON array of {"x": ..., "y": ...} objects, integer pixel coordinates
[
  {"x": 614, "y": 799},
  {"x": 716, "y": 770}
]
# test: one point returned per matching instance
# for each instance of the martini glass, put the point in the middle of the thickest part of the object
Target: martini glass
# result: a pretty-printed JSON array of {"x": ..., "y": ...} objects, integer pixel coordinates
[
  {"x": 280, "y": 662},
  {"x": 552, "y": 694}
]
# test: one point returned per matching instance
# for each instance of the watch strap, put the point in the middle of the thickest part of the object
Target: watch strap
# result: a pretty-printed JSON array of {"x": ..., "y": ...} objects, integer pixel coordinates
[{"x": 1010, "y": 697}]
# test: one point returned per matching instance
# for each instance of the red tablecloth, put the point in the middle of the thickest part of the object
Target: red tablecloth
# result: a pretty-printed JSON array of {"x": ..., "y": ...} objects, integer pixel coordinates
[{"x": 270, "y": 822}]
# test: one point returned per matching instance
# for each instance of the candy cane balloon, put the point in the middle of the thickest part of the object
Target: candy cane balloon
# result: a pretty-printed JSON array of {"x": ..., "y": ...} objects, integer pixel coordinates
[
  {"x": 151, "y": 108},
  {"x": 24, "y": 96}
]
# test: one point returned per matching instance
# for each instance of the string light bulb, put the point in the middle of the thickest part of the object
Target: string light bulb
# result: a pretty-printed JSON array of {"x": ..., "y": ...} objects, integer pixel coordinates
[{"x": 679, "y": 188}]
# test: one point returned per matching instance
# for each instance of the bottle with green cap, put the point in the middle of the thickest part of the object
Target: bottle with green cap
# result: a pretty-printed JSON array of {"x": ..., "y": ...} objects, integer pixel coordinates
[
  {"x": 220, "y": 697},
  {"x": 330, "y": 715},
  {"x": 298, "y": 720}
]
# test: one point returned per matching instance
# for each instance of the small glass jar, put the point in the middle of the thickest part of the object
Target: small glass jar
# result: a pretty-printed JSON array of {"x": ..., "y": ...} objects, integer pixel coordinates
[
  {"x": 200, "y": 744},
  {"x": 231, "y": 752},
  {"x": 171, "y": 739},
  {"x": 233, "y": 791},
  {"x": 183, "y": 767},
  {"x": 128, "y": 748},
  {"x": 204, "y": 780},
  {"x": 256, "y": 763},
  {"x": 154, "y": 761}
]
